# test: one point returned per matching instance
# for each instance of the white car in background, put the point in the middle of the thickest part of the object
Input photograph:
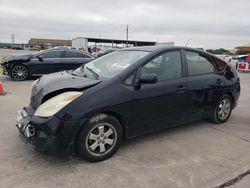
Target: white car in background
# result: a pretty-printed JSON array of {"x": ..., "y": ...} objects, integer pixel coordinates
[
  {"x": 227, "y": 58},
  {"x": 242, "y": 59}
]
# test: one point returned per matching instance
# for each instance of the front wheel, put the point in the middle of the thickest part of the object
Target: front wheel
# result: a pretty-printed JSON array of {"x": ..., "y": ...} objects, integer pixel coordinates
[
  {"x": 19, "y": 72},
  {"x": 100, "y": 138},
  {"x": 222, "y": 110}
]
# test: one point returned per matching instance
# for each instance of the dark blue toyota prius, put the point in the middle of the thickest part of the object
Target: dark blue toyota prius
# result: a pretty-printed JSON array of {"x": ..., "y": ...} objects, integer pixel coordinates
[{"x": 124, "y": 94}]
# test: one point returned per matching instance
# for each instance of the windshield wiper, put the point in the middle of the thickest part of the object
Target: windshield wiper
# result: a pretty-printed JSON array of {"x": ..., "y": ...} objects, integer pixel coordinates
[
  {"x": 70, "y": 72},
  {"x": 93, "y": 72}
]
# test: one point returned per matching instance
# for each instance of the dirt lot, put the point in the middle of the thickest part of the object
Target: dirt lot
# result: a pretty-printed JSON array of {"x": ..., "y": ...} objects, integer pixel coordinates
[{"x": 198, "y": 155}]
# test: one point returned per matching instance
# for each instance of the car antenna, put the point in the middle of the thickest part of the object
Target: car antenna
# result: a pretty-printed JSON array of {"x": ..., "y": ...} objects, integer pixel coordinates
[{"x": 187, "y": 42}]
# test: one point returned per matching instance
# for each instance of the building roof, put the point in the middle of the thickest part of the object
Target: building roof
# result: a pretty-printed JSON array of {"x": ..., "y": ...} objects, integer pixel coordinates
[
  {"x": 244, "y": 46},
  {"x": 59, "y": 42},
  {"x": 117, "y": 41}
]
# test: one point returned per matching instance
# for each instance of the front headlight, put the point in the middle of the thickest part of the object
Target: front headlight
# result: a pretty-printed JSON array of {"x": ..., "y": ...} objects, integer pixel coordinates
[{"x": 53, "y": 105}]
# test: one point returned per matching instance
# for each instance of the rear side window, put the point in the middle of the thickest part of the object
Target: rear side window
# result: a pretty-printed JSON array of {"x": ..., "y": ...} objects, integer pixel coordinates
[
  {"x": 52, "y": 54},
  {"x": 198, "y": 64},
  {"x": 75, "y": 55},
  {"x": 220, "y": 65}
]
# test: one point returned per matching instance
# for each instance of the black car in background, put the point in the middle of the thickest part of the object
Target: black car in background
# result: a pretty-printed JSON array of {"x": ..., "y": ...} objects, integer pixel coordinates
[
  {"x": 127, "y": 93},
  {"x": 22, "y": 67}
]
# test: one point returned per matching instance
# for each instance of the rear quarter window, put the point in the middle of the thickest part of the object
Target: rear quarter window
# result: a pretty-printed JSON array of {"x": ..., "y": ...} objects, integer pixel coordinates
[
  {"x": 219, "y": 64},
  {"x": 198, "y": 63}
]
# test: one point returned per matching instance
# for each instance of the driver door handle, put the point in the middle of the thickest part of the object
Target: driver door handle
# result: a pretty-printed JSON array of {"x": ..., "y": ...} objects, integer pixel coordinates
[
  {"x": 181, "y": 89},
  {"x": 219, "y": 81}
]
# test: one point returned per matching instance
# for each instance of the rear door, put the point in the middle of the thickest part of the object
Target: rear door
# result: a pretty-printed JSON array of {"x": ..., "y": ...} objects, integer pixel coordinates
[
  {"x": 161, "y": 104},
  {"x": 205, "y": 86},
  {"x": 74, "y": 59}
]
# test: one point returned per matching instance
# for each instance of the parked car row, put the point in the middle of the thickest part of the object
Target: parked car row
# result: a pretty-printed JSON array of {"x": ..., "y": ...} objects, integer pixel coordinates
[{"x": 243, "y": 63}]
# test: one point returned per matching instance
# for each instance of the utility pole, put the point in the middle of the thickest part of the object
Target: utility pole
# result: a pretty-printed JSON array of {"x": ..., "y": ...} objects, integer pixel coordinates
[
  {"x": 13, "y": 38},
  {"x": 127, "y": 35}
]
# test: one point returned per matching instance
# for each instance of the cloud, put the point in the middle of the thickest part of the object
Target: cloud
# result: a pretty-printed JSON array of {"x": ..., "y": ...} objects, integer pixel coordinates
[{"x": 209, "y": 24}]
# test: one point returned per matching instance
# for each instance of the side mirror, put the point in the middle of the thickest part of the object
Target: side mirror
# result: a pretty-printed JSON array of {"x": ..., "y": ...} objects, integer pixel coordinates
[
  {"x": 40, "y": 58},
  {"x": 148, "y": 78}
]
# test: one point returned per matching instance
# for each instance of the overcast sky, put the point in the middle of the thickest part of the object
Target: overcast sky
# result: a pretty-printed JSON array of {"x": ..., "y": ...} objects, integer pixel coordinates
[{"x": 208, "y": 24}]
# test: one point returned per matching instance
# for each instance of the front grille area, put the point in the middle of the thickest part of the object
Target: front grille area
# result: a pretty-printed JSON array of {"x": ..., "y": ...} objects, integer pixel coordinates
[
  {"x": 4, "y": 70},
  {"x": 29, "y": 131}
]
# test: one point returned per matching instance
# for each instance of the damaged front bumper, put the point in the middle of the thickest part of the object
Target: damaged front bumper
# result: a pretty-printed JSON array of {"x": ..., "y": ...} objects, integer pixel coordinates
[
  {"x": 4, "y": 70},
  {"x": 50, "y": 135}
]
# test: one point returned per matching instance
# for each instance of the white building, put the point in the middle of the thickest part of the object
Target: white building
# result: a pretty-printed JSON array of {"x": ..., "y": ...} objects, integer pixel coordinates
[{"x": 80, "y": 43}]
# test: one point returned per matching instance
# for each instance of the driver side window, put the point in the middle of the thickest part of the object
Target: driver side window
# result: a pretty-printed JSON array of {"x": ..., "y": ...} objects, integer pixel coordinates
[
  {"x": 167, "y": 66},
  {"x": 52, "y": 54}
]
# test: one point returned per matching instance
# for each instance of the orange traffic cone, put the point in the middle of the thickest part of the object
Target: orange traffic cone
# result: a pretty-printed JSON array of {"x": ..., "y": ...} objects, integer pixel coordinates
[{"x": 1, "y": 89}]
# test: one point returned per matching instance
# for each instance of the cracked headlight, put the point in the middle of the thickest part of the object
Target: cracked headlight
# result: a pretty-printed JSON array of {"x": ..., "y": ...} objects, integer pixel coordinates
[{"x": 53, "y": 105}]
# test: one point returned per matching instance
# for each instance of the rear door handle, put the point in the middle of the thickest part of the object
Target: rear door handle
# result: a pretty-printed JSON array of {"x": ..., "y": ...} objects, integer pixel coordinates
[{"x": 181, "y": 89}]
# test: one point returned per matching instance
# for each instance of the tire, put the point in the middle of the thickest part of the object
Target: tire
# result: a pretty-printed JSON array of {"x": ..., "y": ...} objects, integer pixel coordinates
[
  {"x": 222, "y": 110},
  {"x": 19, "y": 72},
  {"x": 100, "y": 138}
]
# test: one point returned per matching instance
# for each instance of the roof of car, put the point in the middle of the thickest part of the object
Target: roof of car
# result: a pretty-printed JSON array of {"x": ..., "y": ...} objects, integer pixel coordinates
[
  {"x": 66, "y": 49},
  {"x": 155, "y": 48}
]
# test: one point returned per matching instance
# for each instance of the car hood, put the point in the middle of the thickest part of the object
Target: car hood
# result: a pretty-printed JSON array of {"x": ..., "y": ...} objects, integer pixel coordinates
[
  {"x": 56, "y": 82},
  {"x": 18, "y": 57}
]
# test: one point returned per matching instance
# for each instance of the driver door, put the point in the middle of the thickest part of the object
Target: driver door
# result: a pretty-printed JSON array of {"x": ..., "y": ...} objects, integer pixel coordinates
[
  {"x": 164, "y": 103},
  {"x": 46, "y": 62}
]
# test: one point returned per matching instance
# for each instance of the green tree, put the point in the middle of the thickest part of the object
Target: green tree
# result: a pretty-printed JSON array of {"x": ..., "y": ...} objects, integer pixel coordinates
[{"x": 219, "y": 51}]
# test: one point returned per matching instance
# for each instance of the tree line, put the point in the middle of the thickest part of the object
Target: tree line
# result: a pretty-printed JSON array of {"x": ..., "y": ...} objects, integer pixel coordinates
[{"x": 226, "y": 52}]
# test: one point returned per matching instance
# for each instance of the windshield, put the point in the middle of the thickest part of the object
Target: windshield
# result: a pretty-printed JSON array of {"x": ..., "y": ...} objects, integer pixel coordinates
[{"x": 110, "y": 65}]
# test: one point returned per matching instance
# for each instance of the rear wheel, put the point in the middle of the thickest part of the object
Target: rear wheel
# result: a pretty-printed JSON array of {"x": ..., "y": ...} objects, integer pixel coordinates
[
  {"x": 19, "y": 72},
  {"x": 100, "y": 138},
  {"x": 222, "y": 110}
]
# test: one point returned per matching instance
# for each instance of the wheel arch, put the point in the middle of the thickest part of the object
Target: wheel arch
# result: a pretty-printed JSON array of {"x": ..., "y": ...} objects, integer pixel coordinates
[
  {"x": 120, "y": 119},
  {"x": 14, "y": 63},
  {"x": 232, "y": 98}
]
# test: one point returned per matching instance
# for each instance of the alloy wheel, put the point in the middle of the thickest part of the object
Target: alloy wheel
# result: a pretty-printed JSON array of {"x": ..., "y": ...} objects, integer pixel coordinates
[
  {"x": 224, "y": 109},
  {"x": 19, "y": 72},
  {"x": 101, "y": 139}
]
